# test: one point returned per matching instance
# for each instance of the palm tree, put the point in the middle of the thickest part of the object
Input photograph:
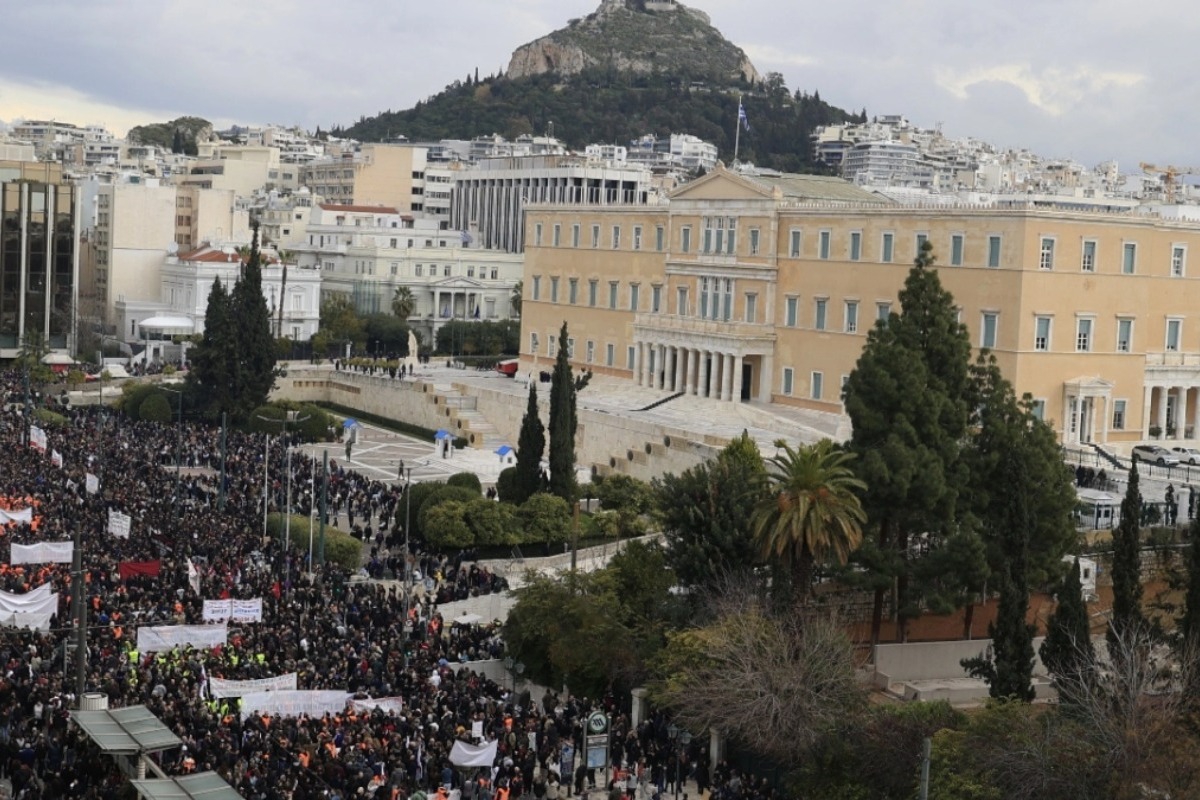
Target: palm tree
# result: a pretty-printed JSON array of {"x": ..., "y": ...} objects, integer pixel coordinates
[
  {"x": 403, "y": 302},
  {"x": 810, "y": 510}
]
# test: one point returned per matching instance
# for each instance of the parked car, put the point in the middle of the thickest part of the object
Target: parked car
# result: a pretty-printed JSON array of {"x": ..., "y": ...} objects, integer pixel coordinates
[
  {"x": 1188, "y": 455},
  {"x": 1155, "y": 455}
]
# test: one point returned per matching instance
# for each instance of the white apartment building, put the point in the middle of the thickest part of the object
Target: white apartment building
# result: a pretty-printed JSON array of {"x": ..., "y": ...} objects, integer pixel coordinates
[
  {"x": 886, "y": 163},
  {"x": 681, "y": 151},
  {"x": 284, "y": 220},
  {"x": 187, "y": 280},
  {"x": 491, "y": 196},
  {"x": 368, "y": 252},
  {"x": 242, "y": 169}
]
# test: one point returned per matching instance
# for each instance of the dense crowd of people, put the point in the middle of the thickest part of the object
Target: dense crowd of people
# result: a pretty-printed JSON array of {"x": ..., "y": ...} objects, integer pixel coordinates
[{"x": 330, "y": 627}]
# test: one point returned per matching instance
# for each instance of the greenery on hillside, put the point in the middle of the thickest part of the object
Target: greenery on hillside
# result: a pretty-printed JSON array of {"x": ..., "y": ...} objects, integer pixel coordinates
[
  {"x": 598, "y": 106},
  {"x": 179, "y": 135}
]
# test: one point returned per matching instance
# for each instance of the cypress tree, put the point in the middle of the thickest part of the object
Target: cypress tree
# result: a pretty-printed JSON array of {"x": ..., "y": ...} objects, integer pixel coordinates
[
  {"x": 530, "y": 445},
  {"x": 1067, "y": 650},
  {"x": 562, "y": 423},
  {"x": 256, "y": 346},
  {"x": 214, "y": 361},
  {"x": 1126, "y": 567}
]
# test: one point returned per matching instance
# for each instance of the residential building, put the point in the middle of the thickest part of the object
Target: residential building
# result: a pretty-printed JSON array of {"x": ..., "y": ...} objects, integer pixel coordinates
[
  {"x": 491, "y": 196},
  {"x": 763, "y": 289},
  {"x": 375, "y": 174},
  {"x": 369, "y": 252},
  {"x": 39, "y": 256},
  {"x": 242, "y": 169}
]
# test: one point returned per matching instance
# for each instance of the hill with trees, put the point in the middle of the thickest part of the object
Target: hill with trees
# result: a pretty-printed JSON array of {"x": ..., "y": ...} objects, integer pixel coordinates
[
  {"x": 179, "y": 135},
  {"x": 631, "y": 68}
]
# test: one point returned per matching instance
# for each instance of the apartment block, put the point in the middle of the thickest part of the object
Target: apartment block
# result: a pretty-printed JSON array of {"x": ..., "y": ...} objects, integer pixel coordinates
[
  {"x": 39, "y": 256},
  {"x": 762, "y": 289}
]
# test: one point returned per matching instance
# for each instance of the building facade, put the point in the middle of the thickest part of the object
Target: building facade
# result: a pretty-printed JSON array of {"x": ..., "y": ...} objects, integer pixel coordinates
[
  {"x": 763, "y": 290},
  {"x": 39, "y": 256},
  {"x": 368, "y": 253},
  {"x": 491, "y": 196}
]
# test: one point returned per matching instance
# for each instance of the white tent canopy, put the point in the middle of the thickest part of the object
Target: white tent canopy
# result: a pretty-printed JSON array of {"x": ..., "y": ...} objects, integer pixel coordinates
[{"x": 168, "y": 323}]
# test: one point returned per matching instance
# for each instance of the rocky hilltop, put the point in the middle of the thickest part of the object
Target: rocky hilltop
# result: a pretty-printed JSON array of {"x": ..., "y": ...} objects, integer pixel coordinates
[{"x": 640, "y": 37}]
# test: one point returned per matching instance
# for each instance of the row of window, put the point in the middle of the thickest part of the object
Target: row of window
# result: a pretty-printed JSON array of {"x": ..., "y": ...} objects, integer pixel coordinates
[
  {"x": 637, "y": 242},
  {"x": 1085, "y": 334},
  {"x": 816, "y": 384}
]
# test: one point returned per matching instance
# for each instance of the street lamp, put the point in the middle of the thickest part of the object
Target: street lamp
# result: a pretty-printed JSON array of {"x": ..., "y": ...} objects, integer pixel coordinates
[
  {"x": 178, "y": 435},
  {"x": 287, "y": 510},
  {"x": 680, "y": 739},
  {"x": 407, "y": 566}
]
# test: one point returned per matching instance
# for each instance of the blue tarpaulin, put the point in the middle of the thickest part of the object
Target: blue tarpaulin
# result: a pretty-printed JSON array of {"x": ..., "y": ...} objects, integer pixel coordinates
[
  {"x": 350, "y": 423},
  {"x": 443, "y": 434}
]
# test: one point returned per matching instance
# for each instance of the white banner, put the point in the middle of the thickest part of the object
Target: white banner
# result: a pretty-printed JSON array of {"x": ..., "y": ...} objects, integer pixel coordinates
[
  {"x": 472, "y": 755},
  {"x": 388, "y": 705},
  {"x": 163, "y": 637},
  {"x": 247, "y": 610},
  {"x": 218, "y": 687},
  {"x": 236, "y": 610},
  {"x": 37, "y": 438},
  {"x": 24, "y": 515},
  {"x": 56, "y": 458},
  {"x": 35, "y": 602},
  {"x": 194, "y": 579},
  {"x": 314, "y": 703},
  {"x": 34, "y": 620},
  {"x": 42, "y": 553},
  {"x": 91, "y": 483},
  {"x": 119, "y": 524}
]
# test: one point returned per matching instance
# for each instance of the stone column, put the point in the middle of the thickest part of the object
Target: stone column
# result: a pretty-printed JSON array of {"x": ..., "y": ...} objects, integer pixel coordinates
[
  {"x": 702, "y": 386},
  {"x": 1163, "y": 393},
  {"x": 680, "y": 363},
  {"x": 714, "y": 375},
  {"x": 1181, "y": 414},
  {"x": 727, "y": 377},
  {"x": 1147, "y": 401},
  {"x": 737, "y": 379},
  {"x": 1105, "y": 418},
  {"x": 639, "y": 706},
  {"x": 693, "y": 357},
  {"x": 638, "y": 352},
  {"x": 647, "y": 370},
  {"x": 660, "y": 366}
]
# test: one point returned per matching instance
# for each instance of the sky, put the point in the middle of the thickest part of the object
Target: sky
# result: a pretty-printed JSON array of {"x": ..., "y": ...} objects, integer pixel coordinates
[{"x": 1091, "y": 80}]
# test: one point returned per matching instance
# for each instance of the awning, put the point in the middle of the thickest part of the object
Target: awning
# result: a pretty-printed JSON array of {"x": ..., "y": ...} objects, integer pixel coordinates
[
  {"x": 443, "y": 434},
  {"x": 200, "y": 786},
  {"x": 350, "y": 423},
  {"x": 126, "y": 731},
  {"x": 169, "y": 324},
  {"x": 57, "y": 359},
  {"x": 503, "y": 450}
]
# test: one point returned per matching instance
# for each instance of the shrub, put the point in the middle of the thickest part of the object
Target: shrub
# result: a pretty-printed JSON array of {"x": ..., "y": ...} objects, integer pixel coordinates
[
  {"x": 466, "y": 480},
  {"x": 155, "y": 408},
  {"x": 440, "y": 495},
  {"x": 493, "y": 523},
  {"x": 46, "y": 418},
  {"x": 506, "y": 484},
  {"x": 445, "y": 526},
  {"x": 313, "y": 427},
  {"x": 623, "y": 493},
  {"x": 340, "y": 547},
  {"x": 132, "y": 397},
  {"x": 545, "y": 518}
]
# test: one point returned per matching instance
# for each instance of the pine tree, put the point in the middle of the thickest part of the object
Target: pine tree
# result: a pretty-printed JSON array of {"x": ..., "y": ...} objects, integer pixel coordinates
[
  {"x": 530, "y": 445},
  {"x": 256, "y": 346},
  {"x": 1067, "y": 650},
  {"x": 907, "y": 400},
  {"x": 562, "y": 423},
  {"x": 1126, "y": 566}
]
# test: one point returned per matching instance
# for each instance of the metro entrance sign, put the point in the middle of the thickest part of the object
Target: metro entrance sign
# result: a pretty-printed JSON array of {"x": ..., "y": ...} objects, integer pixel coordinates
[{"x": 596, "y": 740}]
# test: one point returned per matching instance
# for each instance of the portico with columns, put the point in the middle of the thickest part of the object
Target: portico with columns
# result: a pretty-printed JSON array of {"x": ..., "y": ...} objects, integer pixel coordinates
[
  {"x": 1088, "y": 408},
  {"x": 719, "y": 365}
]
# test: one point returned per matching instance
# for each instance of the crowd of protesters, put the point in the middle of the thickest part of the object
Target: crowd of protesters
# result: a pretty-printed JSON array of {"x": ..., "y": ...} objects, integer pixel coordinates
[{"x": 330, "y": 627}]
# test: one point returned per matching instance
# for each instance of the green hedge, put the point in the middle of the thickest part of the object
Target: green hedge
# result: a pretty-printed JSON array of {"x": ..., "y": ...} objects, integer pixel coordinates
[
  {"x": 46, "y": 418},
  {"x": 390, "y": 424},
  {"x": 315, "y": 426},
  {"x": 340, "y": 547}
]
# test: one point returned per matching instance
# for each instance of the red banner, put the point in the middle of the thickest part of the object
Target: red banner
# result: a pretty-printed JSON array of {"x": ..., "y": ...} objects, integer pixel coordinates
[{"x": 128, "y": 569}]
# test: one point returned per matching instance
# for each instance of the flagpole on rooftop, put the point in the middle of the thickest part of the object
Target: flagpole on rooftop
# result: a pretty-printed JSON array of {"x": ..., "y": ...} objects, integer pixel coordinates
[{"x": 737, "y": 130}]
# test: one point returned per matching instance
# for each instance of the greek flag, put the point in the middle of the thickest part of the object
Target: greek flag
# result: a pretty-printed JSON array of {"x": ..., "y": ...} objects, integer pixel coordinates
[{"x": 745, "y": 122}]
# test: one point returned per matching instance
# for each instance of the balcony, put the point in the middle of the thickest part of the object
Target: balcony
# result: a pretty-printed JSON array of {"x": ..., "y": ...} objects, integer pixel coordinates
[
  {"x": 694, "y": 331},
  {"x": 1173, "y": 368},
  {"x": 1173, "y": 359}
]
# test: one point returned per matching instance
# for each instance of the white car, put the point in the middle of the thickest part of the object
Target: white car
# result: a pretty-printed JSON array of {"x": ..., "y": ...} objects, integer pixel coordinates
[
  {"x": 1187, "y": 455},
  {"x": 1154, "y": 454}
]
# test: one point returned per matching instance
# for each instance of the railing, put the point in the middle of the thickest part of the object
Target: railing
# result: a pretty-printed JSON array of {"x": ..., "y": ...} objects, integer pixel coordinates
[
  {"x": 704, "y": 327},
  {"x": 1173, "y": 359}
]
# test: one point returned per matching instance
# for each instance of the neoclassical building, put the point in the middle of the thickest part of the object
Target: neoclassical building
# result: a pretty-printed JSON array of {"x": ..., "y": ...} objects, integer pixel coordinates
[{"x": 762, "y": 289}]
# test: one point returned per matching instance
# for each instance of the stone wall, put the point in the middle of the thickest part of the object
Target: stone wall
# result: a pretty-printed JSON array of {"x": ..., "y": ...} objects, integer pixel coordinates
[{"x": 608, "y": 442}]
